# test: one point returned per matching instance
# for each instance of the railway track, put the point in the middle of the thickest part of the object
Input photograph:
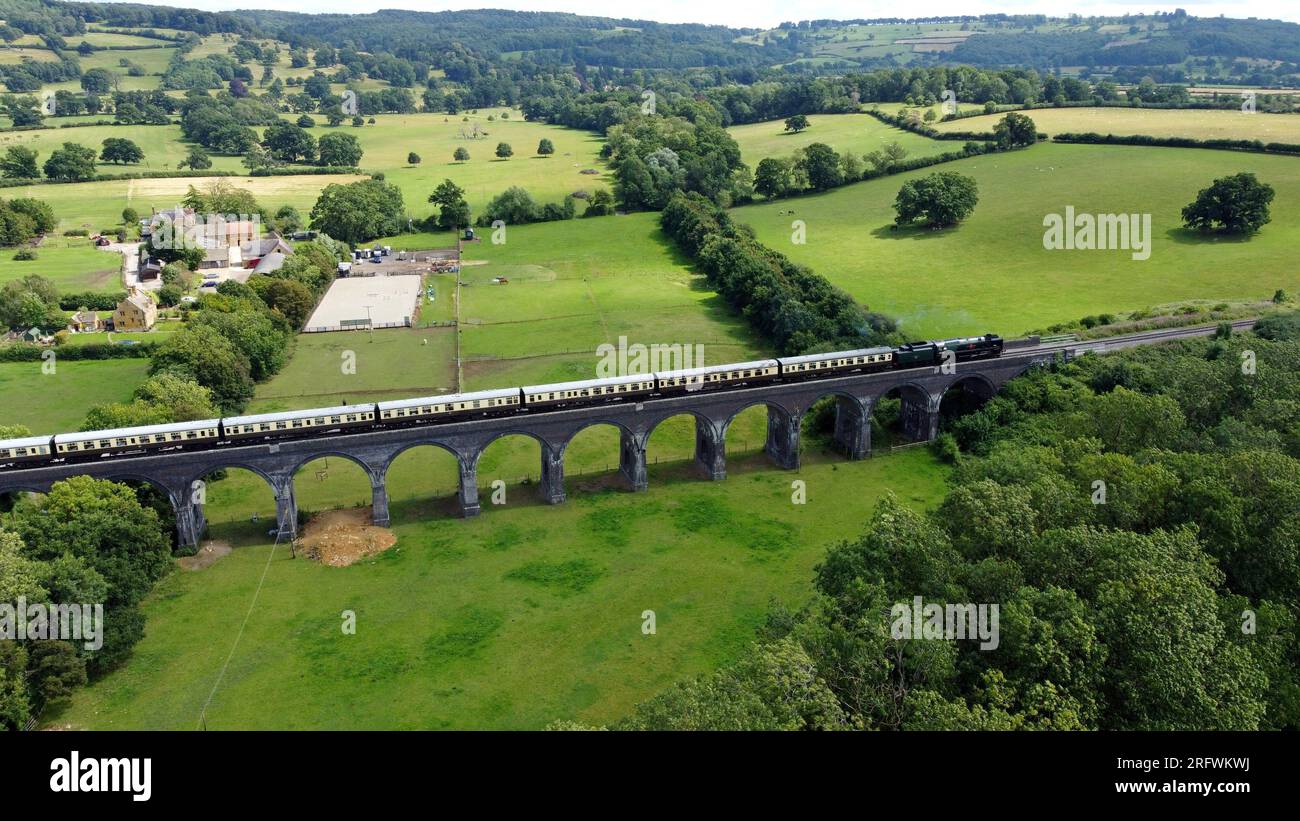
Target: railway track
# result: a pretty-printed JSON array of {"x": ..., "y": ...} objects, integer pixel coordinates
[{"x": 1131, "y": 340}]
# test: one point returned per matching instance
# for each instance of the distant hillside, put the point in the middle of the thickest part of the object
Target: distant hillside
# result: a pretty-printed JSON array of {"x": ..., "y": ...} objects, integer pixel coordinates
[
  {"x": 544, "y": 36},
  {"x": 1171, "y": 48}
]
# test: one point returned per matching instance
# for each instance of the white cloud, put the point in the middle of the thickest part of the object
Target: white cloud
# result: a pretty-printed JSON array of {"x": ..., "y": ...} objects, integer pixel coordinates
[{"x": 767, "y": 13}]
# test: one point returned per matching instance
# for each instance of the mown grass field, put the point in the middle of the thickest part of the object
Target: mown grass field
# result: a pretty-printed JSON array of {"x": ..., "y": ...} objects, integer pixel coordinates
[
  {"x": 992, "y": 272},
  {"x": 527, "y": 614},
  {"x": 435, "y": 137},
  {"x": 857, "y": 133},
  {"x": 1198, "y": 124},
  {"x": 57, "y": 402},
  {"x": 71, "y": 263},
  {"x": 576, "y": 285},
  {"x": 573, "y": 286},
  {"x": 390, "y": 364},
  {"x": 98, "y": 205},
  {"x": 161, "y": 144}
]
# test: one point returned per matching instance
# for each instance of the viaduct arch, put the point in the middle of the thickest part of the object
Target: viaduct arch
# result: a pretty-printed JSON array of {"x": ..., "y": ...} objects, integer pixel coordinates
[{"x": 180, "y": 474}]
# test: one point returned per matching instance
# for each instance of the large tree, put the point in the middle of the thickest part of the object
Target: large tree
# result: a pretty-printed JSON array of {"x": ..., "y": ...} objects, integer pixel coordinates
[
  {"x": 1237, "y": 204},
  {"x": 288, "y": 142},
  {"x": 939, "y": 200},
  {"x": 338, "y": 148},
  {"x": 19, "y": 162},
  {"x": 203, "y": 355},
  {"x": 453, "y": 210},
  {"x": 773, "y": 177},
  {"x": 71, "y": 163},
  {"x": 120, "y": 150},
  {"x": 104, "y": 524},
  {"x": 360, "y": 211},
  {"x": 1015, "y": 130},
  {"x": 796, "y": 123},
  {"x": 821, "y": 165}
]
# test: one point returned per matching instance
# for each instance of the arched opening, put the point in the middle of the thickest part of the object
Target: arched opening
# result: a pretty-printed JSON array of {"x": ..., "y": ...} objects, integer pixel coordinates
[
  {"x": 330, "y": 483},
  {"x": 835, "y": 428},
  {"x": 670, "y": 449},
  {"x": 238, "y": 506},
  {"x": 591, "y": 459},
  {"x": 746, "y": 436},
  {"x": 898, "y": 417},
  {"x": 967, "y": 395},
  {"x": 13, "y": 500},
  {"x": 422, "y": 482},
  {"x": 155, "y": 497},
  {"x": 509, "y": 471}
]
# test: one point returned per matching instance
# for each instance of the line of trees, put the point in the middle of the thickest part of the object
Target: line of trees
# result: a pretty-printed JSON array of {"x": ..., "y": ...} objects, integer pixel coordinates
[{"x": 798, "y": 310}]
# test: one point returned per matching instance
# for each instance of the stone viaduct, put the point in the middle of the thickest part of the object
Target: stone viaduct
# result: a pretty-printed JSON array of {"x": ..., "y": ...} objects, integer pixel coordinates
[{"x": 180, "y": 474}]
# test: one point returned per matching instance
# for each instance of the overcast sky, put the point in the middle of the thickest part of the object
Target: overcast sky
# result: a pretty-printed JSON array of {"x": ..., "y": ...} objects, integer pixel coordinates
[{"x": 767, "y": 13}]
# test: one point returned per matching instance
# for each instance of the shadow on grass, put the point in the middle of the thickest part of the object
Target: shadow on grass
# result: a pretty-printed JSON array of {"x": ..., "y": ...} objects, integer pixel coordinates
[
  {"x": 1191, "y": 236},
  {"x": 913, "y": 232}
]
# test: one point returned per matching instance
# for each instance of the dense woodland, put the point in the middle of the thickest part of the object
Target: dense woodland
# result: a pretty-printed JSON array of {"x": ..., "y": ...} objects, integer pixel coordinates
[{"x": 1168, "y": 603}]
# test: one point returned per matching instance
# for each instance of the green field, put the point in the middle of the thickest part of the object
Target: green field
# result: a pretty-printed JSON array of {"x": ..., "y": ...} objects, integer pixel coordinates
[
  {"x": 57, "y": 402},
  {"x": 492, "y": 622},
  {"x": 161, "y": 144},
  {"x": 1156, "y": 122},
  {"x": 858, "y": 133},
  {"x": 992, "y": 273},
  {"x": 435, "y": 137},
  {"x": 390, "y": 364},
  {"x": 98, "y": 205},
  {"x": 573, "y": 286},
  {"x": 71, "y": 263}
]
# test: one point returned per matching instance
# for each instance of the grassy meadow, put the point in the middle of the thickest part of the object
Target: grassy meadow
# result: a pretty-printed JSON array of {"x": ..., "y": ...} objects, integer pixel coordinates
[
  {"x": 98, "y": 205},
  {"x": 490, "y": 622},
  {"x": 57, "y": 402},
  {"x": 992, "y": 273},
  {"x": 435, "y": 137},
  {"x": 1184, "y": 122},
  {"x": 390, "y": 364},
  {"x": 856, "y": 133},
  {"x": 71, "y": 263},
  {"x": 161, "y": 144}
]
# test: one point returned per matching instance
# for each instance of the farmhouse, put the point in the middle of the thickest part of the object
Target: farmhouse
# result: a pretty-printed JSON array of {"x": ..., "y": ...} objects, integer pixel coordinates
[
  {"x": 270, "y": 263},
  {"x": 85, "y": 321},
  {"x": 227, "y": 256},
  {"x": 256, "y": 250},
  {"x": 135, "y": 313}
]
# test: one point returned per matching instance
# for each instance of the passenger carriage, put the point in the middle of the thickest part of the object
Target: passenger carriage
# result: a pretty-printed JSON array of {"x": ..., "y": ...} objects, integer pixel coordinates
[
  {"x": 457, "y": 405},
  {"x": 100, "y": 443},
  {"x": 25, "y": 449},
  {"x": 289, "y": 423},
  {"x": 591, "y": 391},
  {"x": 863, "y": 360},
  {"x": 718, "y": 376}
]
